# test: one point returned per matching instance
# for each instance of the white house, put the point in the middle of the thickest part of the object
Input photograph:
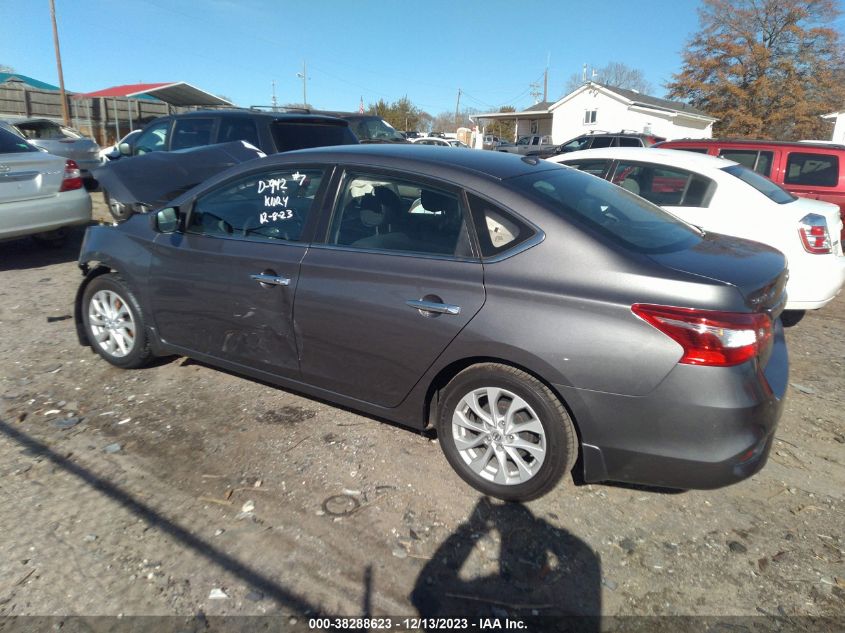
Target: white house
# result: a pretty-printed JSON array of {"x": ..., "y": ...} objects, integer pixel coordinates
[
  {"x": 838, "y": 119},
  {"x": 597, "y": 108}
]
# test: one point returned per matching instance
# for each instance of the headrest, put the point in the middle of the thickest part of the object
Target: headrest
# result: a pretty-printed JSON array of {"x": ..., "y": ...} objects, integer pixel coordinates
[{"x": 436, "y": 201}]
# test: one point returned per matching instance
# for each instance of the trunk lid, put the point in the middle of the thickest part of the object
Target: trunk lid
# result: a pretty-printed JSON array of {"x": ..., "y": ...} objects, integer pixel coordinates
[
  {"x": 758, "y": 271},
  {"x": 30, "y": 175}
]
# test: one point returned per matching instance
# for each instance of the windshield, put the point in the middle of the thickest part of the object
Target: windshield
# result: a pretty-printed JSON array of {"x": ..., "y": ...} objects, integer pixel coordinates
[
  {"x": 374, "y": 129},
  {"x": 611, "y": 211},
  {"x": 13, "y": 144},
  {"x": 772, "y": 191}
]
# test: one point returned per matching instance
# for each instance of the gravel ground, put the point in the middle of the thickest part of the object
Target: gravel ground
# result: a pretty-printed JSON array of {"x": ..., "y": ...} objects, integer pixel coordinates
[{"x": 180, "y": 489}]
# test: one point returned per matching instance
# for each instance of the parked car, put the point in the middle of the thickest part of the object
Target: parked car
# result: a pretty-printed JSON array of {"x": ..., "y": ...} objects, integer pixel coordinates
[
  {"x": 268, "y": 132},
  {"x": 596, "y": 140},
  {"x": 61, "y": 140},
  {"x": 456, "y": 143},
  {"x": 112, "y": 152},
  {"x": 533, "y": 144},
  {"x": 368, "y": 128},
  {"x": 40, "y": 194},
  {"x": 725, "y": 197},
  {"x": 432, "y": 140},
  {"x": 808, "y": 170},
  {"x": 494, "y": 142},
  {"x": 530, "y": 312},
  {"x": 271, "y": 132}
]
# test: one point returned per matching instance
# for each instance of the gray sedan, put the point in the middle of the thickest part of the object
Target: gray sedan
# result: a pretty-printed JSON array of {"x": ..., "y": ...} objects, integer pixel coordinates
[
  {"x": 530, "y": 313},
  {"x": 61, "y": 140}
]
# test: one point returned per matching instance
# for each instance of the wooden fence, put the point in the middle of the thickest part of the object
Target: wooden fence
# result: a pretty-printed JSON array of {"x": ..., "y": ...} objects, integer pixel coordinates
[{"x": 104, "y": 119}]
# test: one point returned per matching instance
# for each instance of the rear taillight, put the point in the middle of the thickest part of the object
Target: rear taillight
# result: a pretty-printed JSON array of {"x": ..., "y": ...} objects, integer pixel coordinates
[
  {"x": 718, "y": 339},
  {"x": 72, "y": 178},
  {"x": 814, "y": 235}
]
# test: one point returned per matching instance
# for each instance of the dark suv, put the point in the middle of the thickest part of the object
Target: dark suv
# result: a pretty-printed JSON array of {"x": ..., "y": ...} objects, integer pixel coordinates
[
  {"x": 271, "y": 132},
  {"x": 140, "y": 183},
  {"x": 600, "y": 139}
]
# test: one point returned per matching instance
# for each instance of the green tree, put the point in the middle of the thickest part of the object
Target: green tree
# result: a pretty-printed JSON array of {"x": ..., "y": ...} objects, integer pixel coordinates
[
  {"x": 765, "y": 68},
  {"x": 401, "y": 114},
  {"x": 503, "y": 129}
]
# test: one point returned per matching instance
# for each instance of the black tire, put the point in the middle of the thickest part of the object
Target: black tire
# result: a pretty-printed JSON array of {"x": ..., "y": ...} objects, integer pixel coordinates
[
  {"x": 561, "y": 448},
  {"x": 119, "y": 211},
  {"x": 139, "y": 353}
]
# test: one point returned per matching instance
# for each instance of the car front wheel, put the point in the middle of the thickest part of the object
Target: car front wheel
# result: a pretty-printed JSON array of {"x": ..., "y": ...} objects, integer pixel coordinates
[
  {"x": 505, "y": 432},
  {"x": 114, "y": 322}
]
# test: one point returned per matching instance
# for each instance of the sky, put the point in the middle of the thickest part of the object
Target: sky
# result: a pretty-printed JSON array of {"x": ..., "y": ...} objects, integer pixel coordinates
[{"x": 492, "y": 50}]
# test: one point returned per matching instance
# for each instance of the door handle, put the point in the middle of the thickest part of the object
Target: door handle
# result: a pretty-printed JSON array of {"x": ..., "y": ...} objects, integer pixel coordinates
[
  {"x": 433, "y": 306},
  {"x": 270, "y": 280}
]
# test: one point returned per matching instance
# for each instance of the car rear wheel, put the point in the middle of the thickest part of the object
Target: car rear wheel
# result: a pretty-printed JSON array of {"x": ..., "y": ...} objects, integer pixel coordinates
[
  {"x": 505, "y": 432},
  {"x": 114, "y": 322}
]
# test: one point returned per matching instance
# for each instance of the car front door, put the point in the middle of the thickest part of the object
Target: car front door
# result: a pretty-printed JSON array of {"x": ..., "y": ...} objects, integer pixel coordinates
[
  {"x": 394, "y": 282},
  {"x": 223, "y": 286}
]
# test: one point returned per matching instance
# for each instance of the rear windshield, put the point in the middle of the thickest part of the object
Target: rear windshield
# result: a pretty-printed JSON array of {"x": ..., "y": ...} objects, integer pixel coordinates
[
  {"x": 13, "y": 144},
  {"x": 374, "y": 129},
  {"x": 772, "y": 191},
  {"x": 611, "y": 211},
  {"x": 298, "y": 135}
]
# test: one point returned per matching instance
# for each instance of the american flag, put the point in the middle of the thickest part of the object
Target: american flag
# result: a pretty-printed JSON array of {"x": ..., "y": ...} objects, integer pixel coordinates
[{"x": 361, "y": 106}]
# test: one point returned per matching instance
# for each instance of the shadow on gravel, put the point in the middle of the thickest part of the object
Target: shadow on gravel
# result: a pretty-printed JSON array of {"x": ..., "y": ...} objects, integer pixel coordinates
[
  {"x": 544, "y": 574},
  {"x": 253, "y": 578},
  {"x": 28, "y": 252}
]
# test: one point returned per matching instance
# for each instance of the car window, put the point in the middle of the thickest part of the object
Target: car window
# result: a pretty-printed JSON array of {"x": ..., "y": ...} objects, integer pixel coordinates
[
  {"x": 820, "y": 170},
  {"x": 191, "y": 133},
  {"x": 269, "y": 205},
  {"x": 237, "y": 129},
  {"x": 664, "y": 186},
  {"x": 772, "y": 191},
  {"x": 153, "y": 139},
  {"x": 498, "y": 230},
  {"x": 290, "y": 135},
  {"x": 620, "y": 216},
  {"x": 397, "y": 214},
  {"x": 596, "y": 167},
  {"x": 761, "y": 162},
  {"x": 627, "y": 141},
  {"x": 13, "y": 144},
  {"x": 582, "y": 142},
  {"x": 525, "y": 140},
  {"x": 602, "y": 141}
]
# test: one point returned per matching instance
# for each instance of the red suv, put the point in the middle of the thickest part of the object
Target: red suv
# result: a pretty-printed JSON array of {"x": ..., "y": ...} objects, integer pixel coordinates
[{"x": 809, "y": 170}]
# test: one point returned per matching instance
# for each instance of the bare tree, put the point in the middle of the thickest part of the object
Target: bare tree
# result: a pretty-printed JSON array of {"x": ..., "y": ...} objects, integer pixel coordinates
[
  {"x": 6, "y": 69},
  {"x": 613, "y": 75}
]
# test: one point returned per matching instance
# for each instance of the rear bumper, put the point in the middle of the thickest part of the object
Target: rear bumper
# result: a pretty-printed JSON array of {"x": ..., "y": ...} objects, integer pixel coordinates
[
  {"x": 28, "y": 217},
  {"x": 814, "y": 281},
  {"x": 701, "y": 428}
]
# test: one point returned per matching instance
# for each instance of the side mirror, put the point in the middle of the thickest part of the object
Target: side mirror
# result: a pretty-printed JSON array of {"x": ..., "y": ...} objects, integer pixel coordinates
[
  {"x": 125, "y": 149},
  {"x": 166, "y": 220}
]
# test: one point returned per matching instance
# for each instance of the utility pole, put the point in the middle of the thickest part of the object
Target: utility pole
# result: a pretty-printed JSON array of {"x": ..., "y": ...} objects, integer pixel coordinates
[
  {"x": 304, "y": 75},
  {"x": 274, "y": 102},
  {"x": 65, "y": 111},
  {"x": 458, "y": 107},
  {"x": 546, "y": 78}
]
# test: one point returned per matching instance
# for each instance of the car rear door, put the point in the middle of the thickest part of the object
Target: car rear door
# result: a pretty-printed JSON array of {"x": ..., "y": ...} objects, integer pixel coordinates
[
  {"x": 223, "y": 287},
  {"x": 394, "y": 282}
]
